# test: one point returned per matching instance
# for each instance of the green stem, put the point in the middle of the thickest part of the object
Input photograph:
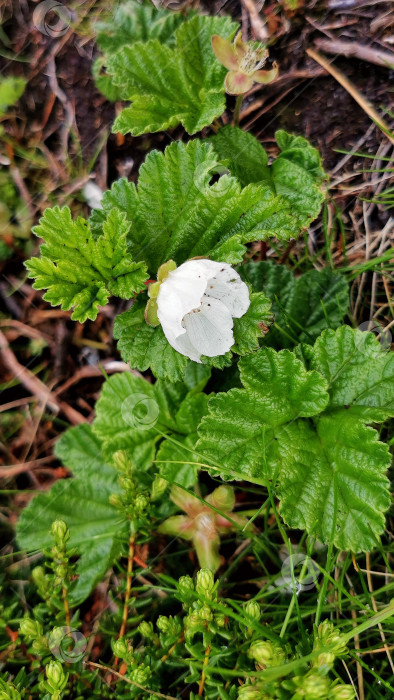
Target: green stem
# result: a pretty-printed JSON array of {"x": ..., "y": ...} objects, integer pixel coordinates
[{"x": 237, "y": 110}]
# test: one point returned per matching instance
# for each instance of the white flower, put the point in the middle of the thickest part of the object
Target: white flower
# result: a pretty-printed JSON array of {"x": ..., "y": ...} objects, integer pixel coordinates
[{"x": 196, "y": 305}]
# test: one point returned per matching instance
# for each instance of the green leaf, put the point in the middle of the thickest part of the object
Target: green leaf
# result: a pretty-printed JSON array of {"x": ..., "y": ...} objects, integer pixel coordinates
[
  {"x": 359, "y": 370},
  {"x": 332, "y": 481},
  {"x": 304, "y": 306},
  {"x": 181, "y": 215},
  {"x": 11, "y": 89},
  {"x": 143, "y": 346},
  {"x": 251, "y": 327},
  {"x": 168, "y": 86},
  {"x": 81, "y": 271},
  {"x": 180, "y": 468},
  {"x": 296, "y": 174},
  {"x": 96, "y": 528},
  {"x": 134, "y": 415},
  {"x": 133, "y": 21},
  {"x": 243, "y": 422},
  {"x": 129, "y": 23},
  {"x": 123, "y": 196},
  {"x": 242, "y": 153},
  {"x": 329, "y": 470}
]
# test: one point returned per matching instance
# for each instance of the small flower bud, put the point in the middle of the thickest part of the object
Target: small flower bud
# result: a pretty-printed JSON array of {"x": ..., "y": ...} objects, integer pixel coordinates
[
  {"x": 186, "y": 585},
  {"x": 141, "y": 503},
  {"x": 30, "y": 628},
  {"x": 267, "y": 654},
  {"x": 313, "y": 686},
  {"x": 253, "y": 610},
  {"x": 342, "y": 692},
  {"x": 60, "y": 531},
  {"x": 57, "y": 679},
  {"x": 205, "y": 582},
  {"x": 251, "y": 692},
  {"x": 205, "y": 613},
  {"x": 220, "y": 620},
  {"x": 158, "y": 488},
  {"x": 120, "y": 648},
  {"x": 146, "y": 629},
  {"x": 141, "y": 674},
  {"x": 163, "y": 624}
]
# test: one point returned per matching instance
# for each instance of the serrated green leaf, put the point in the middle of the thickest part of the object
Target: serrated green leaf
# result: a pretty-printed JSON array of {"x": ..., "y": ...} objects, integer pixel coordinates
[
  {"x": 81, "y": 271},
  {"x": 180, "y": 468},
  {"x": 143, "y": 346},
  {"x": 304, "y": 306},
  {"x": 296, "y": 174},
  {"x": 168, "y": 86},
  {"x": 329, "y": 471},
  {"x": 242, "y": 153},
  {"x": 332, "y": 481},
  {"x": 96, "y": 528},
  {"x": 360, "y": 372},
  {"x": 242, "y": 423},
  {"x": 253, "y": 325},
  {"x": 181, "y": 215},
  {"x": 123, "y": 196},
  {"x": 133, "y": 21}
]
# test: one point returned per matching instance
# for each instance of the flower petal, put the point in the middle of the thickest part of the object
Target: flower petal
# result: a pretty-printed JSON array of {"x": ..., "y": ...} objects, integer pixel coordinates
[
  {"x": 224, "y": 52},
  {"x": 227, "y": 286},
  {"x": 266, "y": 76},
  {"x": 236, "y": 83},
  {"x": 180, "y": 293},
  {"x": 210, "y": 328}
]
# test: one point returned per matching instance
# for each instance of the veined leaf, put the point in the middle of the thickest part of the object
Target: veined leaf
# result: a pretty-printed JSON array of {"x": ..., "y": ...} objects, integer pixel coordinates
[
  {"x": 132, "y": 22},
  {"x": 329, "y": 470},
  {"x": 133, "y": 415},
  {"x": 296, "y": 173},
  {"x": 81, "y": 271},
  {"x": 243, "y": 422},
  {"x": 359, "y": 370},
  {"x": 180, "y": 215},
  {"x": 96, "y": 527},
  {"x": 168, "y": 86},
  {"x": 304, "y": 306},
  {"x": 332, "y": 480}
]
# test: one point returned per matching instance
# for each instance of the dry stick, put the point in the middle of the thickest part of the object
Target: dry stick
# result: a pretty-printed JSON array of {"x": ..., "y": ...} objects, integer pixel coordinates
[
  {"x": 352, "y": 90},
  {"x": 7, "y": 472},
  {"x": 352, "y": 48},
  {"x": 35, "y": 385},
  {"x": 258, "y": 25},
  {"x": 375, "y": 607}
]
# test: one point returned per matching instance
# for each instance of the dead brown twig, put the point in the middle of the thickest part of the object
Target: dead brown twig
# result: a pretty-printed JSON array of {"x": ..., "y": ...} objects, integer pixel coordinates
[
  {"x": 353, "y": 49},
  {"x": 35, "y": 385}
]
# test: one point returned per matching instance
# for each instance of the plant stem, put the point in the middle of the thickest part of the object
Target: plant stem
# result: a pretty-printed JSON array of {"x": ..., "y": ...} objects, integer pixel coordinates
[
  {"x": 237, "y": 110},
  {"x": 206, "y": 660},
  {"x": 128, "y": 587},
  {"x": 66, "y": 607},
  {"x": 171, "y": 651}
]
